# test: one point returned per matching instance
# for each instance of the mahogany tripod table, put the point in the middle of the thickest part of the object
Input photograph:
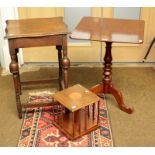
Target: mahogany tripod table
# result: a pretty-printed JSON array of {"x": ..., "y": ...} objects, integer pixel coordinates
[
  {"x": 109, "y": 31},
  {"x": 35, "y": 32}
]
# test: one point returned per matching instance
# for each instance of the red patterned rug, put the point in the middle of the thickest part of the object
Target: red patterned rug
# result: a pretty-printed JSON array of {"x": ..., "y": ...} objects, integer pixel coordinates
[{"x": 38, "y": 130}]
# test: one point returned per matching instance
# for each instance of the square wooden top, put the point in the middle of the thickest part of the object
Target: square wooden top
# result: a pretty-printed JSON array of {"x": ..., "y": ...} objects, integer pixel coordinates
[
  {"x": 35, "y": 27},
  {"x": 109, "y": 30},
  {"x": 75, "y": 97}
]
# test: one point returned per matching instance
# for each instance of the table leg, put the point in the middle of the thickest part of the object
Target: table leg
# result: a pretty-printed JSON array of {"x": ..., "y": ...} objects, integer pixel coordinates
[
  {"x": 59, "y": 48},
  {"x": 65, "y": 61},
  {"x": 73, "y": 124},
  {"x": 14, "y": 69},
  {"x": 17, "y": 50},
  {"x": 106, "y": 86}
]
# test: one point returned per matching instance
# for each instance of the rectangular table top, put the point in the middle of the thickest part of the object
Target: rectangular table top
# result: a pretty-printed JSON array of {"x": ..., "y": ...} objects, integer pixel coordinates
[
  {"x": 35, "y": 27},
  {"x": 76, "y": 97},
  {"x": 109, "y": 30}
]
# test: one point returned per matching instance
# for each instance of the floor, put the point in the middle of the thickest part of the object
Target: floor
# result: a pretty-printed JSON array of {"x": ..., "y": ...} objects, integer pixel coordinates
[{"x": 137, "y": 85}]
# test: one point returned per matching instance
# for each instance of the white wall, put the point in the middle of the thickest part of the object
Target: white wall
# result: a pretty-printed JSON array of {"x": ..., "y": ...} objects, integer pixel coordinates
[
  {"x": 5, "y": 14},
  {"x": 127, "y": 12},
  {"x": 72, "y": 16},
  {"x": 1, "y": 43}
]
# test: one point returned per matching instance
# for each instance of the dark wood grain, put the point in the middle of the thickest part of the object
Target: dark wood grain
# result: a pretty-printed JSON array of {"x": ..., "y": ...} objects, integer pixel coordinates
[
  {"x": 35, "y": 27},
  {"x": 78, "y": 121},
  {"x": 26, "y": 33},
  {"x": 75, "y": 97},
  {"x": 110, "y": 31}
]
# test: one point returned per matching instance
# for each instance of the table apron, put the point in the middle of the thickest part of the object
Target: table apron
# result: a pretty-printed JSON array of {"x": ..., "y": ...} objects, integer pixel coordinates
[{"x": 37, "y": 41}]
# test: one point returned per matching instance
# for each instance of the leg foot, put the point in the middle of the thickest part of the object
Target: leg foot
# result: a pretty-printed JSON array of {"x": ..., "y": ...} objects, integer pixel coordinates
[
  {"x": 110, "y": 89},
  {"x": 118, "y": 96}
]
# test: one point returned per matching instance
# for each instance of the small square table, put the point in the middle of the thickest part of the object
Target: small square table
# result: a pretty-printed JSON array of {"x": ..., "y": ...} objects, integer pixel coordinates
[
  {"x": 82, "y": 115},
  {"x": 24, "y": 33},
  {"x": 110, "y": 31}
]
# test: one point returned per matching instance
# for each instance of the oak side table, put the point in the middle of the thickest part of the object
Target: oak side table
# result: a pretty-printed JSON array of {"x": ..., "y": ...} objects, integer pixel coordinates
[
  {"x": 35, "y": 32},
  {"x": 110, "y": 31},
  {"x": 82, "y": 116}
]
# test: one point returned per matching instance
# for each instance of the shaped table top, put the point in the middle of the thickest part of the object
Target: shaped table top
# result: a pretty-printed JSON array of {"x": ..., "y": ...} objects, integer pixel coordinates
[
  {"x": 109, "y": 30},
  {"x": 35, "y": 27},
  {"x": 76, "y": 97}
]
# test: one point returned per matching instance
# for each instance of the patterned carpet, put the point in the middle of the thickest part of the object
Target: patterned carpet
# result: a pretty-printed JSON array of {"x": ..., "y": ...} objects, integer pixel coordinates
[{"x": 38, "y": 131}]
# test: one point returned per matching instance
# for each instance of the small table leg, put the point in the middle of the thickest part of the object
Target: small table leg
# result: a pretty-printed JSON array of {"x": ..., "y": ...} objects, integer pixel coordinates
[
  {"x": 59, "y": 48},
  {"x": 65, "y": 61},
  {"x": 14, "y": 69},
  {"x": 65, "y": 65},
  {"x": 106, "y": 86},
  {"x": 16, "y": 57}
]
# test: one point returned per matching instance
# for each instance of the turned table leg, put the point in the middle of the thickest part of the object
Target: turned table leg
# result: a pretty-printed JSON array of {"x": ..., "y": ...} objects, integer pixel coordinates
[
  {"x": 17, "y": 50},
  {"x": 14, "y": 69},
  {"x": 65, "y": 62},
  {"x": 59, "y": 48},
  {"x": 65, "y": 65},
  {"x": 106, "y": 86}
]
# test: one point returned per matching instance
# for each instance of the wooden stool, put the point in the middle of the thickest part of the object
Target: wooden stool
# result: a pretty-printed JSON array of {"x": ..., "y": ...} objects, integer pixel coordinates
[
  {"x": 31, "y": 33},
  {"x": 83, "y": 114}
]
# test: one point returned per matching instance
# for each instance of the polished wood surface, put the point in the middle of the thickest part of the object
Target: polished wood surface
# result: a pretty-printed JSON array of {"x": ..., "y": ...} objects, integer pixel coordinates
[
  {"x": 33, "y": 33},
  {"x": 35, "y": 27},
  {"x": 82, "y": 115},
  {"x": 78, "y": 128},
  {"x": 108, "y": 29},
  {"x": 75, "y": 97}
]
